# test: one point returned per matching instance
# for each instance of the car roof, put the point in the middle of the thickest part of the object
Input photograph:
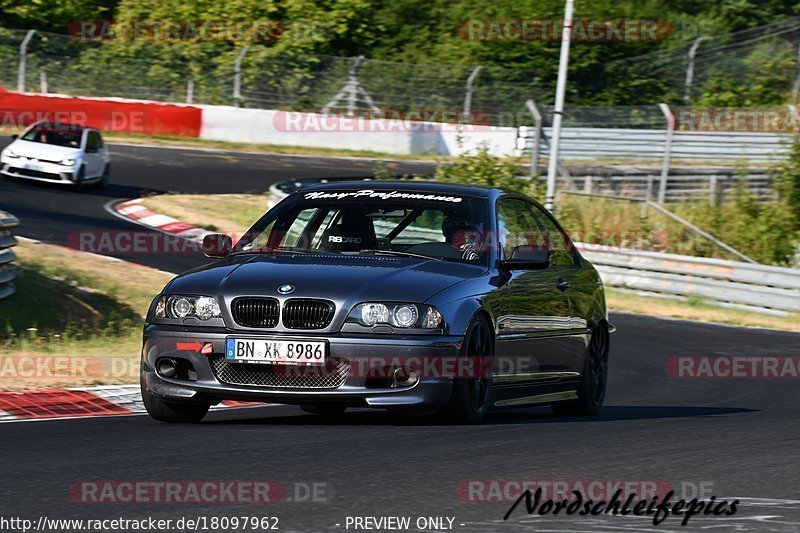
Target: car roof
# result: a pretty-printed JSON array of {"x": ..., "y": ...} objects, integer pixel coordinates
[
  {"x": 406, "y": 185},
  {"x": 61, "y": 126}
]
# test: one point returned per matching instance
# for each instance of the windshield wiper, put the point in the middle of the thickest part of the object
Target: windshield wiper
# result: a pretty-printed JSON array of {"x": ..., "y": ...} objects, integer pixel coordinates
[
  {"x": 400, "y": 254},
  {"x": 274, "y": 250}
]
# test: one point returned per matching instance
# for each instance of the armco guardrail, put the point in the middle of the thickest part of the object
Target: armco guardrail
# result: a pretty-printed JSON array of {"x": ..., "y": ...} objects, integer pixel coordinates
[
  {"x": 7, "y": 223},
  {"x": 646, "y": 144},
  {"x": 760, "y": 288}
]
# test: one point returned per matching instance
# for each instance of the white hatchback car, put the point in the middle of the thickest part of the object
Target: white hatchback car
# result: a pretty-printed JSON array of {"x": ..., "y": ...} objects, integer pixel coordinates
[{"x": 58, "y": 153}]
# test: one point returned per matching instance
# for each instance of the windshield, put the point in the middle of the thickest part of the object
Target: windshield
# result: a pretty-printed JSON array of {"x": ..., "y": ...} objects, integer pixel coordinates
[
  {"x": 56, "y": 136},
  {"x": 430, "y": 225}
]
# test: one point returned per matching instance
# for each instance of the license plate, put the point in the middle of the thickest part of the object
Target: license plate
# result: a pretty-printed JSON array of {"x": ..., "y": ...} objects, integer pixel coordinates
[{"x": 292, "y": 352}]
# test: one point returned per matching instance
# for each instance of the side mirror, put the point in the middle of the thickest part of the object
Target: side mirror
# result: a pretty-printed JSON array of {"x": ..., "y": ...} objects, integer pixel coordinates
[
  {"x": 14, "y": 137},
  {"x": 528, "y": 258},
  {"x": 217, "y": 245}
]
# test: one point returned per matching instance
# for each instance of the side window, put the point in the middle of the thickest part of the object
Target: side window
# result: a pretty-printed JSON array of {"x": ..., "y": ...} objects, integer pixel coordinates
[
  {"x": 426, "y": 228},
  {"x": 98, "y": 139},
  {"x": 295, "y": 231},
  {"x": 558, "y": 241},
  {"x": 91, "y": 142},
  {"x": 516, "y": 226}
]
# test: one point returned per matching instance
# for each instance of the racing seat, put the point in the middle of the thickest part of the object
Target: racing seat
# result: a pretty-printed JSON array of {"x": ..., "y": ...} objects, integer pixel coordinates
[{"x": 353, "y": 232}]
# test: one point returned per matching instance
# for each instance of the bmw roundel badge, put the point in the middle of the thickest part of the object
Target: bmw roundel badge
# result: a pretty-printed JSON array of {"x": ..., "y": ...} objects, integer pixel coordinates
[{"x": 286, "y": 289}]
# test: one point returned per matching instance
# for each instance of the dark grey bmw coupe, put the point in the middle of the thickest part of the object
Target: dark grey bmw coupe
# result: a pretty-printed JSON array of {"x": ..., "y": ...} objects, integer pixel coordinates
[{"x": 416, "y": 297}]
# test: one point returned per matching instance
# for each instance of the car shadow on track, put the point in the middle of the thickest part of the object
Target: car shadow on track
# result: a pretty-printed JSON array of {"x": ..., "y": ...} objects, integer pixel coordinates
[
  {"x": 112, "y": 190},
  {"x": 516, "y": 416}
]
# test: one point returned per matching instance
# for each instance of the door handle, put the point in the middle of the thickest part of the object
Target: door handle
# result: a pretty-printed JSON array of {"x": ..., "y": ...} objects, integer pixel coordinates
[{"x": 562, "y": 285}]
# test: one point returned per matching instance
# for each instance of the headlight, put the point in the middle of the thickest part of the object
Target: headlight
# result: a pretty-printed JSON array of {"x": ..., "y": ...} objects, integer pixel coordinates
[
  {"x": 205, "y": 308},
  {"x": 400, "y": 315},
  {"x": 67, "y": 162},
  {"x": 180, "y": 307},
  {"x": 8, "y": 152},
  {"x": 202, "y": 307},
  {"x": 372, "y": 314},
  {"x": 405, "y": 316}
]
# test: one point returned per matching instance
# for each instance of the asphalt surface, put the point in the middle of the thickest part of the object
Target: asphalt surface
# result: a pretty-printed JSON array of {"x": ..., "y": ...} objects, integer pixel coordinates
[{"x": 731, "y": 438}]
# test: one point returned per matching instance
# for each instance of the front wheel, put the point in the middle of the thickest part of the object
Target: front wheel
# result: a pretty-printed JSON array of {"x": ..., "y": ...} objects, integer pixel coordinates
[
  {"x": 594, "y": 378},
  {"x": 177, "y": 413},
  {"x": 80, "y": 179},
  {"x": 470, "y": 398}
]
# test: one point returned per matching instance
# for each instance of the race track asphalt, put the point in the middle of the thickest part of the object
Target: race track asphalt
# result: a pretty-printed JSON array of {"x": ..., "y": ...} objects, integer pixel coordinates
[{"x": 733, "y": 438}]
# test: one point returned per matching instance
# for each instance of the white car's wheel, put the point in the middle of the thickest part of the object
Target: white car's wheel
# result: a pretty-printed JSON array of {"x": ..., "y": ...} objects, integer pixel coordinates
[{"x": 80, "y": 180}]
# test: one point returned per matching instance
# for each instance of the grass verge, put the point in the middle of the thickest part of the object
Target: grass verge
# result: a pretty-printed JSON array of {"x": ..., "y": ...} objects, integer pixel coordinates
[
  {"x": 226, "y": 213},
  {"x": 697, "y": 310},
  {"x": 75, "y": 320}
]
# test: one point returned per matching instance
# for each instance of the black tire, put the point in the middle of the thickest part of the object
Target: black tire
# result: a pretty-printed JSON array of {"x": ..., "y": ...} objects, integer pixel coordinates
[
  {"x": 102, "y": 183},
  {"x": 332, "y": 410},
  {"x": 80, "y": 182},
  {"x": 594, "y": 379},
  {"x": 174, "y": 412},
  {"x": 471, "y": 396}
]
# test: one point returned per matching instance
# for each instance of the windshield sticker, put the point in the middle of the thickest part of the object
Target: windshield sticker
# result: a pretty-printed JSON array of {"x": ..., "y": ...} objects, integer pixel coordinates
[{"x": 388, "y": 195}]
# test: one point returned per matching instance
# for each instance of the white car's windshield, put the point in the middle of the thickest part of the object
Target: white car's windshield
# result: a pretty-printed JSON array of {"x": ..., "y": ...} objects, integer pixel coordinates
[
  {"x": 57, "y": 136},
  {"x": 412, "y": 224}
]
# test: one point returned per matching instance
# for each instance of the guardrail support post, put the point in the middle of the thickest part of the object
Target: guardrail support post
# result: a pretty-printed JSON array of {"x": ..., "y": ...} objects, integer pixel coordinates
[
  {"x": 43, "y": 82},
  {"x": 662, "y": 189},
  {"x": 23, "y": 60},
  {"x": 796, "y": 86},
  {"x": 189, "y": 91},
  {"x": 712, "y": 189},
  {"x": 237, "y": 74},
  {"x": 687, "y": 96},
  {"x": 537, "y": 136},
  {"x": 468, "y": 96}
]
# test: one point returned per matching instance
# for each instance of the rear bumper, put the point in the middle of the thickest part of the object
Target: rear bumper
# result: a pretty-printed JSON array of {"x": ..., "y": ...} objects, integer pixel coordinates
[{"x": 357, "y": 388}]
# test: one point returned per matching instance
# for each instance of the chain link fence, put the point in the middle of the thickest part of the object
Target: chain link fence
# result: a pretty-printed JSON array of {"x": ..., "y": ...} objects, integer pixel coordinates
[
  {"x": 262, "y": 77},
  {"x": 756, "y": 66}
]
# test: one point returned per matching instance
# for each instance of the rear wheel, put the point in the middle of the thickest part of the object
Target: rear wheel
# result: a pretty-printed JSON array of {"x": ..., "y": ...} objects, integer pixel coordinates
[
  {"x": 470, "y": 398},
  {"x": 103, "y": 181},
  {"x": 179, "y": 413},
  {"x": 594, "y": 378}
]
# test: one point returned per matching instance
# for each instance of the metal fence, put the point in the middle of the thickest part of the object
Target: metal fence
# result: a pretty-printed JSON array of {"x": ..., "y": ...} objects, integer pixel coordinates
[
  {"x": 650, "y": 145},
  {"x": 260, "y": 77},
  {"x": 753, "y": 287},
  {"x": 7, "y": 223},
  {"x": 712, "y": 184},
  {"x": 710, "y": 69}
]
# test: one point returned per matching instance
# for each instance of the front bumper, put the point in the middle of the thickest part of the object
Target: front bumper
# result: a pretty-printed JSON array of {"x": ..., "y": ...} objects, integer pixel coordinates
[
  {"x": 49, "y": 172},
  {"x": 363, "y": 353}
]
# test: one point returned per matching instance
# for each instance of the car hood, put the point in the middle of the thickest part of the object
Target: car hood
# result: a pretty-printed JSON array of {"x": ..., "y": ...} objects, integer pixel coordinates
[
  {"x": 343, "y": 279},
  {"x": 47, "y": 152}
]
